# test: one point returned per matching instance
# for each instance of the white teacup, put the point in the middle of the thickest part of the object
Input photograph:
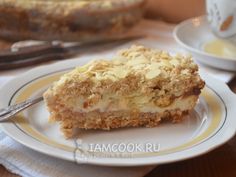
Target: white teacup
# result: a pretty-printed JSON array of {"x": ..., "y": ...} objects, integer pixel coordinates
[{"x": 221, "y": 15}]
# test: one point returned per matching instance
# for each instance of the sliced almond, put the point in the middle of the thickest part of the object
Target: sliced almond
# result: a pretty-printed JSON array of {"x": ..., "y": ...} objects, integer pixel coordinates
[{"x": 152, "y": 74}]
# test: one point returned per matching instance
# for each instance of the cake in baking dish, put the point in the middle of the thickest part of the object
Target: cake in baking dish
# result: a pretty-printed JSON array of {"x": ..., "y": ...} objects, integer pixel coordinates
[{"x": 68, "y": 20}]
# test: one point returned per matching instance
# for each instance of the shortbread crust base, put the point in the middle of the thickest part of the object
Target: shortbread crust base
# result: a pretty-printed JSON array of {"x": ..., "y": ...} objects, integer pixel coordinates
[{"x": 70, "y": 121}]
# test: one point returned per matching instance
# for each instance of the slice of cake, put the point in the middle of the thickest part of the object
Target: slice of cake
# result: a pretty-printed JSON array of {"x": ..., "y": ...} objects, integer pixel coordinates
[{"x": 138, "y": 87}]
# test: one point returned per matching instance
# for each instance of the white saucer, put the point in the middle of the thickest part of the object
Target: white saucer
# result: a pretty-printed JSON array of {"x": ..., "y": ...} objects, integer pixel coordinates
[{"x": 193, "y": 34}]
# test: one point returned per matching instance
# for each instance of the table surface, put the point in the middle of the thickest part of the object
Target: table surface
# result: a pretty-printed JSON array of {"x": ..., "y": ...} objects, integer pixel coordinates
[{"x": 217, "y": 163}]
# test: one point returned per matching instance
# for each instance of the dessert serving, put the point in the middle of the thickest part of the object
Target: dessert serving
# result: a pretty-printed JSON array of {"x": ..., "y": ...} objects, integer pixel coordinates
[{"x": 138, "y": 87}]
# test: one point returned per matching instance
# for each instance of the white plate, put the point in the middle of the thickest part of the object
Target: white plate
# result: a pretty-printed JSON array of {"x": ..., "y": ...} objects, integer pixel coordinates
[
  {"x": 211, "y": 124},
  {"x": 193, "y": 34}
]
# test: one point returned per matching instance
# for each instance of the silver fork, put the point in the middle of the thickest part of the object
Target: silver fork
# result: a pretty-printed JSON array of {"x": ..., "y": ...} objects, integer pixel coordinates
[{"x": 10, "y": 111}]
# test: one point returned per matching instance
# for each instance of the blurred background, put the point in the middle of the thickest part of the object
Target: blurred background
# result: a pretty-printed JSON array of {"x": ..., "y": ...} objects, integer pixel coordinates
[{"x": 174, "y": 11}]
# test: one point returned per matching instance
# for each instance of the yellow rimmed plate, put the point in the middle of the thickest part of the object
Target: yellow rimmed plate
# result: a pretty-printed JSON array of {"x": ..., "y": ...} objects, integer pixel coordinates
[{"x": 209, "y": 125}]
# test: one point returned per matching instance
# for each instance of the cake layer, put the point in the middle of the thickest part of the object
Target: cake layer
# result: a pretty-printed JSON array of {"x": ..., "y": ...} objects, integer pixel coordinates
[
  {"x": 116, "y": 119},
  {"x": 106, "y": 120}
]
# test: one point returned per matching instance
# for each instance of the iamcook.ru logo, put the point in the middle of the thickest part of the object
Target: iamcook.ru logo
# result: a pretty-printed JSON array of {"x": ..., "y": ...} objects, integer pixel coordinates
[
  {"x": 85, "y": 151},
  {"x": 124, "y": 147}
]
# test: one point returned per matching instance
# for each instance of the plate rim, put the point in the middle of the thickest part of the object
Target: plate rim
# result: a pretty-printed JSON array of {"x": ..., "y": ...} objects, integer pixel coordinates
[{"x": 221, "y": 87}]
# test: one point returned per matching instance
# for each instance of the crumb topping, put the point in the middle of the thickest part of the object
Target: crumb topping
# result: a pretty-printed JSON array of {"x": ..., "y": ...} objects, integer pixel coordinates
[
  {"x": 137, "y": 60},
  {"x": 66, "y": 6}
]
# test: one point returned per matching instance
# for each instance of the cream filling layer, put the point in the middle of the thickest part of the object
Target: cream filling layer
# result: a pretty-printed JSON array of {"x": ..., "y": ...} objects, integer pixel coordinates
[{"x": 107, "y": 105}]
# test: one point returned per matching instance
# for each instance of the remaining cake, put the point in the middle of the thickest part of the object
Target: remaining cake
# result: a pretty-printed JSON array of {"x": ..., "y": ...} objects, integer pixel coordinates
[
  {"x": 138, "y": 87},
  {"x": 67, "y": 20}
]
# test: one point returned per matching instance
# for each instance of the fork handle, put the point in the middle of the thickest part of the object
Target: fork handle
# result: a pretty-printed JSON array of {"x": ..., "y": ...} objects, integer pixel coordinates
[{"x": 7, "y": 113}]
